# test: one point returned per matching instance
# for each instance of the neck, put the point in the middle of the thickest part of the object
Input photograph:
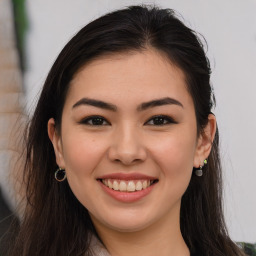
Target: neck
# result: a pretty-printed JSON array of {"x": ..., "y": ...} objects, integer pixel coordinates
[{"x": 163, "y": 236}]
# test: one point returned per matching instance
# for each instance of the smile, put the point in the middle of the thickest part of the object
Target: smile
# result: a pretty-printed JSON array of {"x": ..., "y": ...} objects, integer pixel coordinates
[{"x": 127, "y": 185}]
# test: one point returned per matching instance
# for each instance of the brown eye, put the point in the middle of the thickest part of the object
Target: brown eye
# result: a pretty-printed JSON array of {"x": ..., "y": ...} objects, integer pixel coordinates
[
  {"x": 95, "y": 121},
  {"x": 160, "y": 120}
]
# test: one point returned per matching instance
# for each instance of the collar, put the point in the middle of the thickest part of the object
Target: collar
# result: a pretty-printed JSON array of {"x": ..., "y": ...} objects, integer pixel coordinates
[{"x": 97, "y": 248}]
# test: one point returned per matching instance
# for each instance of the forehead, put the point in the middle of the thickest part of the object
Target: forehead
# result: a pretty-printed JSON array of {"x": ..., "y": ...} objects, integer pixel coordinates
[{"x": 132, "y": 76}]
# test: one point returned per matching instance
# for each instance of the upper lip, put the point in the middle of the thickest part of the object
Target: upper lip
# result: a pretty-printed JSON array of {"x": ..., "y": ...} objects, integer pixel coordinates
[{"x": 127, "y": 176}]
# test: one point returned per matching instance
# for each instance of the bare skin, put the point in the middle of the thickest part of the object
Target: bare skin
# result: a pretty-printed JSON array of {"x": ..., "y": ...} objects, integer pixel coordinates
[{"x": 127, "y": 139}]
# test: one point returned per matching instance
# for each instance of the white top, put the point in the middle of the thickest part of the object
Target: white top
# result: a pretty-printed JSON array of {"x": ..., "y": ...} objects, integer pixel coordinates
[{"x": 97, "y": 248}]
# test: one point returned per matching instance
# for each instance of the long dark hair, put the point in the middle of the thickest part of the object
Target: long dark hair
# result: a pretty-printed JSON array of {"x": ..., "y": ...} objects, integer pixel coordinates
[{"x": 55, "y": 223}]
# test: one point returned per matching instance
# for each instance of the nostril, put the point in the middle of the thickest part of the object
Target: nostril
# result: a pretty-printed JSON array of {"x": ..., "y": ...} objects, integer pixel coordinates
[
  {"x": 127, "y": 161},
  {"x": 127, "y": 153}
]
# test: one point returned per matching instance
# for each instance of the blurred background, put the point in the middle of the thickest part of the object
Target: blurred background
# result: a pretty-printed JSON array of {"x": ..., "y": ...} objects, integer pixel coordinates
[{"x": 32, "y": 33}]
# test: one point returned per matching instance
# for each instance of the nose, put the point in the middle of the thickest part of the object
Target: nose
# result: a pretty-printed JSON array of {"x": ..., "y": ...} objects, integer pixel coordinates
[{"x": 127, "y": 146}]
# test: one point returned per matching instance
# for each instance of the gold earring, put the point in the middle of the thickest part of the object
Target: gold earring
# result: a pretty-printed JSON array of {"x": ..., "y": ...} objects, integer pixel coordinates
[{"x": 60, "y": 175}]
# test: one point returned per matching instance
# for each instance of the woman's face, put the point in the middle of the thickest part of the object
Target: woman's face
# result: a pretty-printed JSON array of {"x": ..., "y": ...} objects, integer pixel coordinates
[{"x": 129, "y": 140}]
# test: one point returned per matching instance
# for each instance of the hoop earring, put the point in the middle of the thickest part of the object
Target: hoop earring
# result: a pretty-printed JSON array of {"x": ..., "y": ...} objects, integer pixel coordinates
[
  {"x": 60, "y": 175},
  {"x": 199, "y": 172}
]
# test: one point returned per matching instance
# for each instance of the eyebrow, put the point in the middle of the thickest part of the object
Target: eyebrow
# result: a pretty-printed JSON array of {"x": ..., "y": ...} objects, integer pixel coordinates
[
  {"x": 159, "y": 102},
  {"x": 141, "y": 107}
]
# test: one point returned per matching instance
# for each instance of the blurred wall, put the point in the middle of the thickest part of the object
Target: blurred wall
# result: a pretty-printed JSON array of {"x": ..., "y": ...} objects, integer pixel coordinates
[
  {"x": 12, "y": 118},
  {"x": 230, "y": 29}
]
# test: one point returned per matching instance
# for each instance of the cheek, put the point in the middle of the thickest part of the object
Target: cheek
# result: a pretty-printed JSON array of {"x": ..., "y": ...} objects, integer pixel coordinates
[
  {"x": 175, "y": 155},
  {"x": 82, "y": 154}
]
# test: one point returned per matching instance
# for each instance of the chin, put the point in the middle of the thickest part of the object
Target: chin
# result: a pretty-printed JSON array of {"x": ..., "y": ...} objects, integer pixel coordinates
[
  {"x": 128, "y": 228},
  {"x": 123, "y": 223}
]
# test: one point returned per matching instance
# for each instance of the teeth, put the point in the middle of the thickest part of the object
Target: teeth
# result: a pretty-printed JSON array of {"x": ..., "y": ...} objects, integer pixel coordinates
[
  {"x": 128, "y": 186},
  {"x": 115, "y": 185},
  {"x": 139, "y": 185},
  {"x": 109, "y": 184},
  {"x": 122, "y": 186}
]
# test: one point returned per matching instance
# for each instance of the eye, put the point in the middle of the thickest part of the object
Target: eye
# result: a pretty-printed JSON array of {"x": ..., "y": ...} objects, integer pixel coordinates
[
  {"x": 95, "y": 121},
  {"x": 160, "y": 120}
]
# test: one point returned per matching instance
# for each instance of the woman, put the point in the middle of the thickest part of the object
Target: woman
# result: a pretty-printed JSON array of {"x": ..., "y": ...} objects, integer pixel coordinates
[{"x": 122, "y": 155}]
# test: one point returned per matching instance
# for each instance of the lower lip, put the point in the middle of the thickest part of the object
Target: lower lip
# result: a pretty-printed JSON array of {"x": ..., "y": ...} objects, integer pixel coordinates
[{"x": 127, "y": 197}]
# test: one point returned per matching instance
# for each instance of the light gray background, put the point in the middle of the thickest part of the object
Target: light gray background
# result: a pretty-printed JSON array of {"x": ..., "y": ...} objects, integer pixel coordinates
[{"x": 230, "y": 29}]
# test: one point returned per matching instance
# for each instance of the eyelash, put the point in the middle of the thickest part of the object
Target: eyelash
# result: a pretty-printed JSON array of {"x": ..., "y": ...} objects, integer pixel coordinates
[{"x": 167, "y": 120}]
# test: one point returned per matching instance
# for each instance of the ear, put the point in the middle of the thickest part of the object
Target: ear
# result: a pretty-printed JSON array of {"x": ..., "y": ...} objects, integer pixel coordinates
[
  {"x": 205, "y": 140},
  {"x": 56, "y": 142}
]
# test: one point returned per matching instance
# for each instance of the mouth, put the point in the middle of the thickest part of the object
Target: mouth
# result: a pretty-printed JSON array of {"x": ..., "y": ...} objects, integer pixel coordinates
[{"x": 128, "y": 185}]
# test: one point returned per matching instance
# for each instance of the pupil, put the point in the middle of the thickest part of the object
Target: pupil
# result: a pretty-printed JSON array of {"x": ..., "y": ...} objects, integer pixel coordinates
[
  {"x": 159, "y": 120},
  {"x": 97, "y": 121}
]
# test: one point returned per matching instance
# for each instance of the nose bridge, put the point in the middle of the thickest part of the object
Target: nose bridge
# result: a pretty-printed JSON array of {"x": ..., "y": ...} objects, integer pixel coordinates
[{"x": 127, "y": 144}]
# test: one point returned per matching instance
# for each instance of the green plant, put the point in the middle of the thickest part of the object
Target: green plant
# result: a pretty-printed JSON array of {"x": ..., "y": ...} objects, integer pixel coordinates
[{"x": 249, "y": 249}]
